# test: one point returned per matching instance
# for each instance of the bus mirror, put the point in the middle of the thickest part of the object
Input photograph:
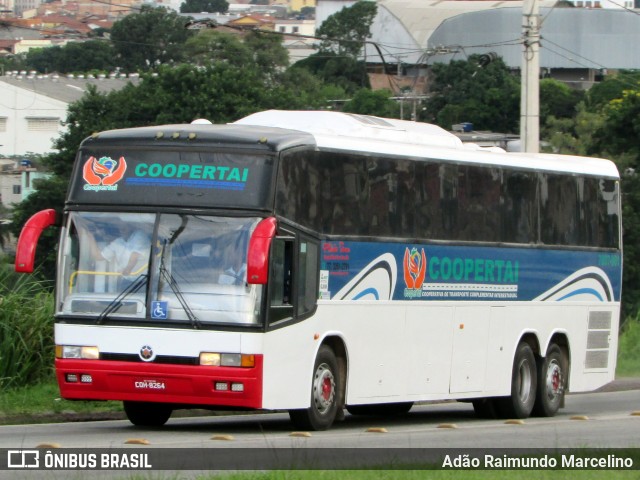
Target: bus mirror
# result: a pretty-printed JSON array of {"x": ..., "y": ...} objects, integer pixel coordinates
[
  {"x": 26, "y": 249},
  {"x": 258, "y": 255}
]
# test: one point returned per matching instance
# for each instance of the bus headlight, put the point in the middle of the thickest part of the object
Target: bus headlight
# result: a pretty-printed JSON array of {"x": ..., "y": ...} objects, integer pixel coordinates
[
  {"x": 77, "y": 352},
  {"x": 227, "y": 359}
]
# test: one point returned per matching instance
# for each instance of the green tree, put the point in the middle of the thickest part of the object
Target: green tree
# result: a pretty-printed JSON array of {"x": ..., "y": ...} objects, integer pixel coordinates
[
  {"x": 347, "y": 73},
  {"x": 73, "y": 57},
  {"x": 571, "y": 136},
  {"x": 149, "y": 38},
  {"x": 368, "y": 102},
  {"x": 558, "y": 99},
  {"x": 345, "y": 32},
  {"x": 461, "y": 91},
  {"x": 600, "y": 94},
  {"x": 210, "y": 46},
  {"x": 209, "y": 6}
]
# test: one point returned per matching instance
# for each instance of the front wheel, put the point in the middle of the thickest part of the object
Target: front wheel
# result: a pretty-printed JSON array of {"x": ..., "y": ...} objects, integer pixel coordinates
[
  {"x": 326, "y": 395},
  {"x": 551, "y": 382},
  {"x": 147, "y": 414},
  {"x": 523, "y": 385}
]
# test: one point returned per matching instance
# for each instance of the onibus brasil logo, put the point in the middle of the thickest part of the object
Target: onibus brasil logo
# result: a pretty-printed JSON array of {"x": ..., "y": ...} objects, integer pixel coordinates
[
  {"x": 103, "y": 174},
  {"x": 415, "y": 269}
]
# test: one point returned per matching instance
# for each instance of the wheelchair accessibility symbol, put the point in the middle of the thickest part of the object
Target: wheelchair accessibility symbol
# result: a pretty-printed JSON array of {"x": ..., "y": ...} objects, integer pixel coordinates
[{"x": 159, "y": 310}]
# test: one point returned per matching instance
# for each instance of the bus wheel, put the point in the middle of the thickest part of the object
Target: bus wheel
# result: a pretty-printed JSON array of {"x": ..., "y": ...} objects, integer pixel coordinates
[
  {"x": 325, "y": 394},
  {"x": 147, "y": 414},
  {"x": 523, "y": 385},
  {"x": 551, "y": 383}
]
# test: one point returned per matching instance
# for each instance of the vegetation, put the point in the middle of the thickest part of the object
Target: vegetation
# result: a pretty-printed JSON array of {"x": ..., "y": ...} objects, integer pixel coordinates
[
  {"x": 73, "y": 57},
  {"x": 421, "y": 475},
  {"x": 629, "y": 349},
  {"x": 344, "y": 35},
  {"x": 197, "y": 6},
  {"x": 153, "y": 37},
  {"x": 26, "y": 330},
  {"x": 463, "y": 91}
]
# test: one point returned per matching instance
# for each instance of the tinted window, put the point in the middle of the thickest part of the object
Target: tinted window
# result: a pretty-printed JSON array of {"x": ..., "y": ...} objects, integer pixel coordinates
[{"x": 347, "y": 194}]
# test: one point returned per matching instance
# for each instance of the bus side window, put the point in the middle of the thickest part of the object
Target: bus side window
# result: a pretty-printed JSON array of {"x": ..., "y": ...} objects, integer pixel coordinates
[{"x": 280, "y": 288}]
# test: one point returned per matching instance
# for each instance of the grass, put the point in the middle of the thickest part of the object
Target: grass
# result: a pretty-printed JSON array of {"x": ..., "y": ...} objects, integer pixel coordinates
[
  {"x": 421, "y": 474},
  {"x": 629, "y": 350},
  {"x": 403, "y": 474},
  {"x": 26, "y": 330},
  {"x": 42, "y": 403}
]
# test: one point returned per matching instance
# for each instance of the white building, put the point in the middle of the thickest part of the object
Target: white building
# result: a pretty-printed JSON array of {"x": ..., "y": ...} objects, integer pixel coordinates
[{"x": 33, "y": 109}]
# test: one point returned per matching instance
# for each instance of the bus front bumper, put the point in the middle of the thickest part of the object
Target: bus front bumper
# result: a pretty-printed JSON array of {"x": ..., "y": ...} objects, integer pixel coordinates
[{"x": 189, "y": 385}]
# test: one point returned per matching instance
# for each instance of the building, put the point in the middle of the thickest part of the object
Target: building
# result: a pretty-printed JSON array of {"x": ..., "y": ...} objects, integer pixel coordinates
[
  {"x": 34, "y": 107},
  {"x": 578, "y": 44},
  {"x": 16, "y": 180}
]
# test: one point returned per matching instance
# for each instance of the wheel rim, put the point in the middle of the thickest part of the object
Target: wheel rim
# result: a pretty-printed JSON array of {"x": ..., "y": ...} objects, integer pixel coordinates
[
  {"x": 553, "y": 380},
  {"x": 323, "y": 388},
  {"x": 525, "y": 381}
]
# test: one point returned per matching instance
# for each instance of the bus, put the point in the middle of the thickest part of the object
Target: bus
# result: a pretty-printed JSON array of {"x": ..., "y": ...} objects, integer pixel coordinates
[{"x": 317, "y": 262}]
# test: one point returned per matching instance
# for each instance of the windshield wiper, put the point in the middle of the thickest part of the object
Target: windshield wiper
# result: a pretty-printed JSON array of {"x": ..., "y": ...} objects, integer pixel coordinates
[
  {"x": 173, "y": 285},
  {"x": 116, "y": 303}
]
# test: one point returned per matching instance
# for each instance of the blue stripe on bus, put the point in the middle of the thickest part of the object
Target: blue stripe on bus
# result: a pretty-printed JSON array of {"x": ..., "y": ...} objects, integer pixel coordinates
[
  {"x": 366, "y": 292},
  {"x": 172, "y": 182},
  {"x": 581, "y": 291}
]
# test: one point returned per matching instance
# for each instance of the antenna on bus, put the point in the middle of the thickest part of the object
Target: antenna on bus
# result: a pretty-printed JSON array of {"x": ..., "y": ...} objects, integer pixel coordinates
[{"x": 201, "y": 121}]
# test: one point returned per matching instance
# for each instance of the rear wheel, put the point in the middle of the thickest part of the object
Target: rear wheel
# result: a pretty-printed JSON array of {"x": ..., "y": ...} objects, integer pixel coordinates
[
  {"x": 523, "y": 385},
  {"x": 551, "y": 382},
  {"x": 326, "y": 394},
  {"x": 147, "y": 414}
]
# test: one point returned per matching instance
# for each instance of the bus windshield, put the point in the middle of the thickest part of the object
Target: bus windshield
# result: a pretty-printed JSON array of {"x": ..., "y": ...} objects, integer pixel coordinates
[{"x": 159, "y": 268}]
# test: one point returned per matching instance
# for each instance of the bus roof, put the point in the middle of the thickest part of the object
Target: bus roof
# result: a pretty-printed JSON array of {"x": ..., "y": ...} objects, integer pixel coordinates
[
  {"x": 364, "y": 133},
  {"x": 257, "y": 137}
]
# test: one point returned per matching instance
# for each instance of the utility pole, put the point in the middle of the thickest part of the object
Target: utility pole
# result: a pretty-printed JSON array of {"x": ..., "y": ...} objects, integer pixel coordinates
[{"x": 530, "y": 78}]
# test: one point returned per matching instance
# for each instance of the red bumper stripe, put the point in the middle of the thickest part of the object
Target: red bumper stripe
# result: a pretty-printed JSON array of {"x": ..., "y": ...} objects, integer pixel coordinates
[{"x": 149, "y": 382}]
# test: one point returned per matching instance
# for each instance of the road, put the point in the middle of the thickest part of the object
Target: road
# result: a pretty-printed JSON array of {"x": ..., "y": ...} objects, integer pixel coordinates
[{"x": 266, "y": 441}]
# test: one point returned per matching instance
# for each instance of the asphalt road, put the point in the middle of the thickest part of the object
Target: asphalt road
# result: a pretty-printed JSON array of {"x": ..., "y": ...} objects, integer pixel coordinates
[{"x": 609, "y": 418}]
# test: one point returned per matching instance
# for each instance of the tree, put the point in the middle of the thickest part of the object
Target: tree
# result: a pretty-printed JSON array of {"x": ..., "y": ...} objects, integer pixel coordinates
[
  {"x": 345, "y": 32},
  {"x": 73, "y": 57},
  {"x": 558, "y": 99},
  {"x": 347, "y": 73},
  {"x": 149, "y": 38},
  {"x": 209, "y": 6},
  {"x": 571, "y": 136},
  {"x": 462, "y": 91},
  {"x": 600, "y": 94},
  {"x": 210, "y": 46},
  {"x": 368, "y": 102}
]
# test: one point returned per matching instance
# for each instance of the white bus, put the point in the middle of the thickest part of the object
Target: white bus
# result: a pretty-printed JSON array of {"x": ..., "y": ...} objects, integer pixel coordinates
[{"x": 322, "y": 261}]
